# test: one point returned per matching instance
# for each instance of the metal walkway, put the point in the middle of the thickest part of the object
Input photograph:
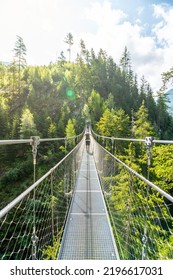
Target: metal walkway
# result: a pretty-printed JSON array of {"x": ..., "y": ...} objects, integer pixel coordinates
[{"x": 88, "y": 233}]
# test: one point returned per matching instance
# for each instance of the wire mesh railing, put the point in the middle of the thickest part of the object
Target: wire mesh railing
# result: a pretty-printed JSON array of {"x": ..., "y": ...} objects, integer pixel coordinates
[
  {"x": 141, "y": 212},
  {"x": 23, "y": 161},
  {"x": 31, "y": 225}
]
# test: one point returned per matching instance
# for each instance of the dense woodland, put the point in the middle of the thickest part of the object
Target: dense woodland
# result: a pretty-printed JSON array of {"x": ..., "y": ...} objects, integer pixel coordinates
[{"x": 57, "y": 99}]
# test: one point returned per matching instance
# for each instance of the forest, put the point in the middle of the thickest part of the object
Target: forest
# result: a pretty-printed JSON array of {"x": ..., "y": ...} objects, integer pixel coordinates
[{"x": 55, "y": 100}]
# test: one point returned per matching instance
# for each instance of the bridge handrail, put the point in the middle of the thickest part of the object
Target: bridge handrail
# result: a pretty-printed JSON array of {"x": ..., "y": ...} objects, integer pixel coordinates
[
  {"x": 133, "y": 139},
  {"x": 168, "y": 196},
  {"x": 12, "y": 204},
  {"x": 24, "y": 141}
]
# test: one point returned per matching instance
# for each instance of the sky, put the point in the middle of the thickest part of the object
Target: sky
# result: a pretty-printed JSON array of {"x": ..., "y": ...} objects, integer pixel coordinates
[{"x": 144, "y": 26}]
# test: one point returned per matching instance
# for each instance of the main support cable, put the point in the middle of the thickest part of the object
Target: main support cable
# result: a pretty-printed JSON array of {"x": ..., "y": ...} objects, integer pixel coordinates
[
  {"x": 132, "y": 139},
  {"x": 25, "y": 141}
]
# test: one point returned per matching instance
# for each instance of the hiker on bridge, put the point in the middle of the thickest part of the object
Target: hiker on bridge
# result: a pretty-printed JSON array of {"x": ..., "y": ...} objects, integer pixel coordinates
[{"x": 87, "y": 140}]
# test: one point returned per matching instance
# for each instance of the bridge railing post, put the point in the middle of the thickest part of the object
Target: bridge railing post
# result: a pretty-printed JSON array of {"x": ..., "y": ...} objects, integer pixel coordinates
[
  {"x": 112, "y": 140},
  {"x": 149, "y": 144},
  {"x": 66, "y": 145},
  {"x": 52, "y": 203},
  {"x": 35, "y": 141}
]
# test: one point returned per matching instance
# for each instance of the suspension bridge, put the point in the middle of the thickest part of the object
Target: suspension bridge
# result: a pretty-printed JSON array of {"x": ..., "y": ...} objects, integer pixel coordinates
[{"x": 90, "y": 205}]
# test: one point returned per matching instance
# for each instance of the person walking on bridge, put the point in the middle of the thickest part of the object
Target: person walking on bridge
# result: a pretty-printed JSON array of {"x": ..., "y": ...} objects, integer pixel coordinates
[{"x": 87, "y": 140}]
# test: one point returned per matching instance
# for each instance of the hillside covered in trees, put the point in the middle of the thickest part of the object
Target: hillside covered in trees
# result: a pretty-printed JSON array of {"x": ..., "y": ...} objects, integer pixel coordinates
[
  {"x": 57, "y": 99},
  {"x": 41, "y": 99}
]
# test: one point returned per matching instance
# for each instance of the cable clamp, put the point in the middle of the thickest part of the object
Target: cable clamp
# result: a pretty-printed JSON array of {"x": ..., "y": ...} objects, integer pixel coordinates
[
  {"x": 35, "y": 141},
  {"x": 149, "y": 141}
]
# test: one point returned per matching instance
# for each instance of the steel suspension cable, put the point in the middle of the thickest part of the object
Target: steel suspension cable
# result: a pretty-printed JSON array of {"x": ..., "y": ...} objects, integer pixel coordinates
[
  {"x": 25, "y": 141},
  {"x": 132, "y": 139}
]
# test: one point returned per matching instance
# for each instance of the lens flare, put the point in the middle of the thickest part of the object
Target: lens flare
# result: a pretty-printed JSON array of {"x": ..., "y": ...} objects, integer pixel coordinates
[{"x": 70, "y": 93}]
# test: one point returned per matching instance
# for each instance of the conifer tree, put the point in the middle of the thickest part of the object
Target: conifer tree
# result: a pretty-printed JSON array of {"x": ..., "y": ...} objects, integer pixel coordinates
[
  {"x": 70, "y": 131},
  {"x": 27, "y": 126},
  {"x": 69, "y": 40},
  {"x": 167, "y": 77},
  {"x": 125, "y": 61},
  {"x": 20, "y": 60},
  {"x": 142, "y": 126},
  {"x": 114, "y": 123}
]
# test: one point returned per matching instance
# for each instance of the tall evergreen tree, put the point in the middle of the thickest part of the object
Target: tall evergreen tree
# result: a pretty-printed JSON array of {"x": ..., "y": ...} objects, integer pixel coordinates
[
  {"x": 70, "y": 131},
  {"x": 96, "y": 106},
  {"x": 82, "y": 48},
  {"x": 167, "y": 77},
  {"x": 142, "y": 126},
  {"x": 69, "y": 40},
  {"x": 61, "y": 59},
  {"x": 125, "y": 61},
  {"x": 20, "y": 58},
  {"x": 163, "y": 117},
  {"x": 114, "y": 123},
  {"x": 27, "y": 127}
]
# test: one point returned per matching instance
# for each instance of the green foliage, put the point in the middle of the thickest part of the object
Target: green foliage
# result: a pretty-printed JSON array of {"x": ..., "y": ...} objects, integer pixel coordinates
[
  {"x": 70, "y": 128},
  {"x": 110, "y": 103},
  {"x": 142, "y": 127},
  {"x": 162, "y": 162},
  {"x": 69, "y": 40},
  {"x": 27, "y": 127},
  {"x": 165, "y": 251},
  {"x": 70, "y": 132},
  {"x": 52, "y": 130},
  {"x": 114, "y": 123},
  {"x": 51, "y": 252},
  {"x": 96, "y": 106},
  {"x": 17, "y": 173},
  {"x": 20, "y": 52},
  {"x": 167, "y": 77}
]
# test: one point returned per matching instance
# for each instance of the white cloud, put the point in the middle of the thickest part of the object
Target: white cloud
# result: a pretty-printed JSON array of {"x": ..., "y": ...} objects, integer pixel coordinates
[
  {"x": 115, "y": 32},
  {"x": 43, "y": 25},
  {"x": 163, "y": 32},
  {"x": 104, "y": 15},
  {"x": 164, "y": 28}
]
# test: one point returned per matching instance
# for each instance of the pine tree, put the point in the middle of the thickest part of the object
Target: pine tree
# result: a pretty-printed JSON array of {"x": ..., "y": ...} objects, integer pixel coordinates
[
  {"x": 167, "y": 77},
  {"x": 70, "y": 129},
  {"x": 20, "y": 60},
  {"x": 164, "y": 120},
  {"x": 27, "y": 126},
  {"x": 96, "y": 106},
  {"x": 142, "y": 126},
  {"x": 69, "y": 40},
  {"x": 125, "y": 61},
  {"x": 114, "y": 123},
  {"x": 82, "y": 48},
  {"x": 70, "y": 132},
  {"x": 61, "y": 59}
]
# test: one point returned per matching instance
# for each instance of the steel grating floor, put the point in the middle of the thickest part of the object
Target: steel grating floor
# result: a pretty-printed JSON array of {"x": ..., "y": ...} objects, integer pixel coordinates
[{"x": 88, "y": 233}]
